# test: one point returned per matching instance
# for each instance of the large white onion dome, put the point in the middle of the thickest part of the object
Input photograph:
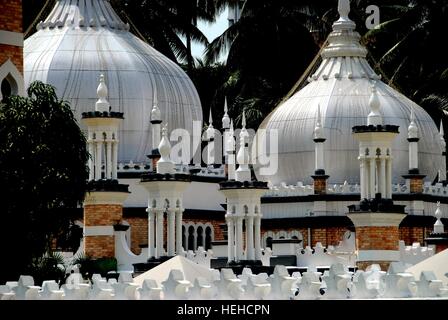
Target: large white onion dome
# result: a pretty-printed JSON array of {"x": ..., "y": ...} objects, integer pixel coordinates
[
  {"x": 342, "y": 87},
  {"x": 81, "y": 39}
]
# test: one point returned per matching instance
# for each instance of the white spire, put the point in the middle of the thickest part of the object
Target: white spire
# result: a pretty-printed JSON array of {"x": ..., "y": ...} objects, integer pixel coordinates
[
  {"x": 102, "y": 104},
  {"x": 344, "y": 9},
  {"x": 225, "y": 118},
  {"x": 438, "y": 226},
  {"x": 210, "y": 132},
  {"x": 243, "y": 171},
  {"x": 412, "y": 129},
  {"x": 231, "y": 140},
  {"x": 374, "y": 117},
  {"x": 165, "y": 165},
  {"x": 156, "y": 115},
  {"x": 318, "y": 130}
]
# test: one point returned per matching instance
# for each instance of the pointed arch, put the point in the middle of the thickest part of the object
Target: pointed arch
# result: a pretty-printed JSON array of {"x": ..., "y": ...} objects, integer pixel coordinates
[{"x": 10, "y": 72}]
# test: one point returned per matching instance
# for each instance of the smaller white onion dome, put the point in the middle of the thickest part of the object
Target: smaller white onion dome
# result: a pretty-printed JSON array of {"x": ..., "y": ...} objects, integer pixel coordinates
[
  {"x": 375, "y": 117},
  {"x": 102, "y": 104}
]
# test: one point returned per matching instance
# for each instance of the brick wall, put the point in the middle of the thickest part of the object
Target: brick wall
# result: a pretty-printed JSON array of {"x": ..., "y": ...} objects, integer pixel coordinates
[
  {"x": 100, "y": 246},
  {"x": 413, "y": 234},
  {"x": 139, "y": 233},
  {"x": 377, "y": 238},
  {"x": 102, "y": 214},
  {"x": 11, "y": 20}
]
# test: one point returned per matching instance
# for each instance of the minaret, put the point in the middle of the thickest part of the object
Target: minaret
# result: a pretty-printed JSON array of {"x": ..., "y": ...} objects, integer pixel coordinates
[
  {"x": 103, "y": 204},
  {"x": 165, "y": 195},
  {"x": 243, "y": 206},
  {"x": 376, "y": 218},
  {"x": 414, "y": 178},
  {"x": 438, "y": 238},
  {"x": 156, "y": 121},
  {"x": 229, "y": 148},
  {"x": 210, "y": 140},
  {"x": 442, "y": 171},
  {"x": 11, "y": 49},
  {"x": 319, "y": 177}
]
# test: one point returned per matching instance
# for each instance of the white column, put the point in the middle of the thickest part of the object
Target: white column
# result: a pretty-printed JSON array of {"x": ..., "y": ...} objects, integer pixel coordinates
[
  {"x": 155, "y": 135},
  {"x": 362, "y": 177},
  {"x": 372, "y": 166},
  {"x": 389, "y": 177},
  {"x": 382, "y": 177},
  {"x": 91, "y": 160},
  {"x": 171, "y": 232},
  {"x": 179, "y": 230},
  {"x": 231, "y": 166},
  {"x": 319, "y": 154},
  {"x": 98, "y": 160},
  {"x": 239, "y": 238},
  {"x": 250, "y": 237},
  {"x": 159, "y": 234},
  {"x": 151, "y": 221},
  {"x": 114, "y": 159},
  {"x": 258, "y": 237},
  {"x": 109, "y": 160},
  {"x": 413, "y": 155},
  {"x": 230, "y": 238}
]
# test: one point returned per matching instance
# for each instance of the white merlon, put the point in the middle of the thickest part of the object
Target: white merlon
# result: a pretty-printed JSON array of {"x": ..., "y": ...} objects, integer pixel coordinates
[{"x": 378, "y": 255}]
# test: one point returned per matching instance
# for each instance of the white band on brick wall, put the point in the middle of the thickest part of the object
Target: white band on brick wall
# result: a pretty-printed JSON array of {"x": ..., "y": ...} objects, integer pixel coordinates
[
  {"x": 378, "y": 255},
  {"x": 99, "y": 231},
  {"x": 11, "y": 38}
]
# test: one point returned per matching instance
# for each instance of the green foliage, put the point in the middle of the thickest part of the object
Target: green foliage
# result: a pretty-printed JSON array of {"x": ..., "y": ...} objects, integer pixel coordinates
[
  {"x": 49, "y": 267},
  {"x": 89, "y": 266},
  {"x": 43, "y": 172}
]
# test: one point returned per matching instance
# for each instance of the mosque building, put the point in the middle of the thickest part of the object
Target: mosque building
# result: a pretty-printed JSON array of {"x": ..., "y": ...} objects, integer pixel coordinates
[{"x": 345, "y": 137}]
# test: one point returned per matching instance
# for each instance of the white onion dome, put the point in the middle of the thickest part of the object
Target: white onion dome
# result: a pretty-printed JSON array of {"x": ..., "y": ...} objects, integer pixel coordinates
[
  {"x": 81, "y": 39},
  {"x": 342, "y": 86}
]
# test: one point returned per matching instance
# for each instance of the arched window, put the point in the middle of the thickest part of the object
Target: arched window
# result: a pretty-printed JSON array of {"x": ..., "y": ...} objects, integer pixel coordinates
[
  {"x": 6, "y": 89},
  {"x": 269, "y": 242},
  {"x": 208, "y": 238},
  {"x": 295, "y": 238},
  {"x": 233, "y": 210},
  {"x": 154, "y": 203},
  {"x": 246, "y": 209},
  {"x": 200, "y": 237},
  {"x": 191, "y": 238},
  {"x": 256, "y": 210}
]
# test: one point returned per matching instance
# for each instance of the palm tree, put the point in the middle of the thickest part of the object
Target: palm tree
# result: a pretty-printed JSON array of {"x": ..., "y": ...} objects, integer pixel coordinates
[
  {"x": 408, "y": 51},
  {"x": 268, "y": 49}
]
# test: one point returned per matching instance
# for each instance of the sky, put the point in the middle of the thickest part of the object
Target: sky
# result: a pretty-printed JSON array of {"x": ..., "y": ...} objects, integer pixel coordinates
[{"x": 211, "y": 31}]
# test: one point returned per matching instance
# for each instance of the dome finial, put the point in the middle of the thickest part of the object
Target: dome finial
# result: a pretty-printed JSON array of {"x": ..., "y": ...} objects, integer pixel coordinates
[
  {"x": 438, "y": 225},
  {"x": 225, "y": 118},
  {"x": 165, "y": 165},
  {"x": 102, "y": 104},
  {"x": 344, "y": 9},
  {"x": 412, "y": 129},
  {"x": 156, "y": 115},
  {"x": 318, "y": 132},
  {"x": 374, "y": 117}
]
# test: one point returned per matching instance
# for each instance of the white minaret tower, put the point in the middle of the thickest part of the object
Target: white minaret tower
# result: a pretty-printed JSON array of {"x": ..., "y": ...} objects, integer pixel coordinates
[
  {"x": 442, "y": 171},
  {"x": 165, "y": 195},
  {"x": 102, "y": 126},
  {"x": 375, "y": 152},
  {"x": 105, "y": 196},
  {"x": 414, "y": 178},
  {"x": 319, "y": 177},
  {"x": 243, "y": 206},
  {"x": 225, "y": 118},
  {"x": 156, "y": 121},
  {"x": 376, "y": 218}
]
